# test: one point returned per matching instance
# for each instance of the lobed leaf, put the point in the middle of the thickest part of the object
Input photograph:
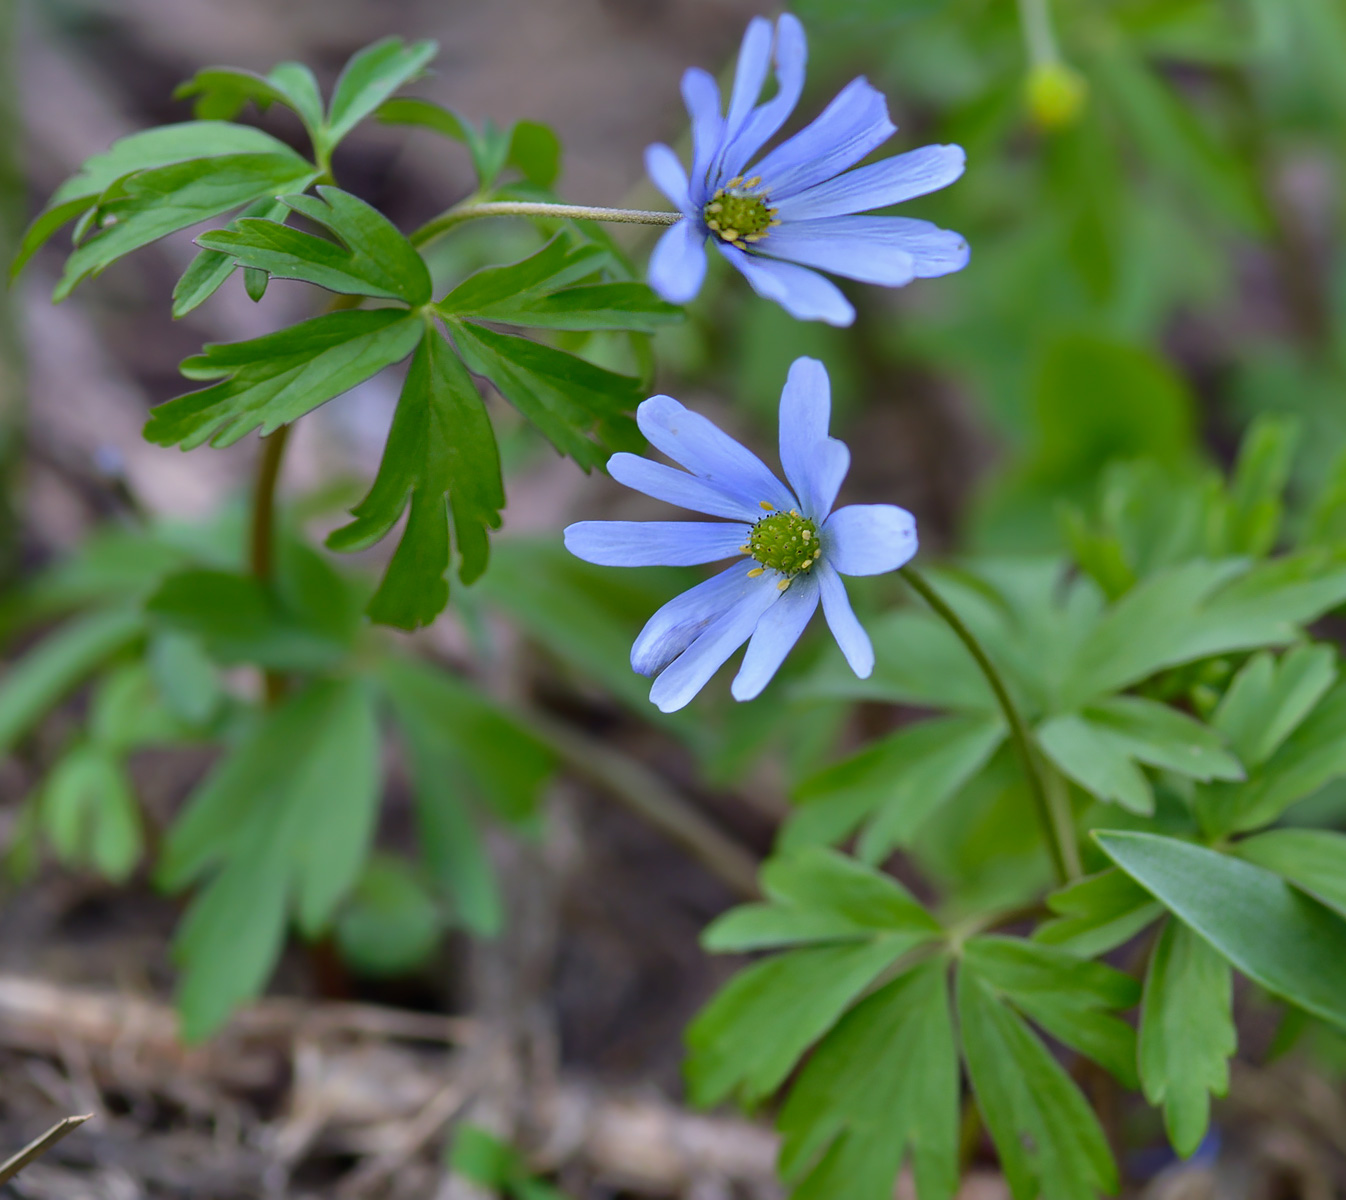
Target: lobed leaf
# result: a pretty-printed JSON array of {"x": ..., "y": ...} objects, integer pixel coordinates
[
  {"x": 1311, "y": 859},
  {"x": 1268, "y": 700},
  {"x": 1097, "y": 914},
  {"x": 368, "y": 79},
  {"x": 210, "y": 268},
  {"x": 222, "y": 92}
]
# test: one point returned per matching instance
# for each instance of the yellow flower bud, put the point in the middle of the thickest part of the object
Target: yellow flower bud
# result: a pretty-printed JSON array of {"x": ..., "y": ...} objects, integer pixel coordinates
[{"x": 1056, "y": 94}]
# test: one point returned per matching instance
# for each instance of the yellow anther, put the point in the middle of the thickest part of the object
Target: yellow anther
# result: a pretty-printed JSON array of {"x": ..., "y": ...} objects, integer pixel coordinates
[
  {"x": 745, "y": 549},
  {"x": 735, "y": 182},
  {"x": 729, "y": 235},
  {"x": 782, "y": 585},
  {"x": 774, "y": 221},
  {"x": 756, "y": 571},
  {"x": 738, "y": 244},
  {"x": 754, "y": 181},
  {"x": 807, "y": 535},
  {"x": 794, "y": 512},
  {"x": 714, "y": 206},
  {"x": 766, "y": 504},
  {"x": 753, "y": 237},
  {"x": 715, "y": 225}
]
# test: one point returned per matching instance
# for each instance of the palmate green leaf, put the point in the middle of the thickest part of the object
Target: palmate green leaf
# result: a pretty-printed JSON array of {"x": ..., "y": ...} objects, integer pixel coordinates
[
  {"x": 374, "y": 259},
  {"x": 1255, "y": 508},
  {"x": 368, "y": 79},
  {"x": 31, "y": 686},
  {"x": 1314, "y": 754},
  {"x": 1311, "y": 859},
  {"x": 625, "y": 306},
  {"x": 528, "y": 146},
  {"x": 142, "y": 151},
  {"x": 391, "y": 924},
  {"x": 210, "y": 268},
  {"x": 144, "y": 207},
  {"x": 1277, "y": 936},
  {"x": 184, "y": 677},
  {"x": 895, "y": 783},
  {"x": 750, "y": 1036},
  {"x": 222, "y": 92},
  {"x": 285, "y": 820},
  {"x": 1186, "y": 1033},
  {"x": 1100, "y": 748},
  {"x": 441, "y": 442},
  {"x": 1097, "y": 914},
  {"x": 579, "y": 407},
  {"x": 1268, "y": 699},
  {"x": 1048, "y": 1138},
  {"x": 818, "y": 895},
  {"x": 272, "y": 380},
  {"x": 90, "y": 814},
  {"x": 881, "y": 1085},
  {"x": 127, "y": 712}
]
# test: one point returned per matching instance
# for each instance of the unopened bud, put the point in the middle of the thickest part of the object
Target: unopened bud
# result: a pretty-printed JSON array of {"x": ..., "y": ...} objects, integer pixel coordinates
[{"x": 1056, "y": 94}]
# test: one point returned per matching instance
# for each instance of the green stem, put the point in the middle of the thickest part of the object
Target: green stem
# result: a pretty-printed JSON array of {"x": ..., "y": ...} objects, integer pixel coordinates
[
  {"x": 261, "y": 551},
  {"x": 1051, "y": 804},
  {"x": 470, "y": 210},
  {"x": 1036, "y": 22}
]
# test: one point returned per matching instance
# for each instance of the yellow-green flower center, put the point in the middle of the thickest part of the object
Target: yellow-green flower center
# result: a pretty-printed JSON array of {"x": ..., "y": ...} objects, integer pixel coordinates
[
  {"x": 785, "y": 542},
  {"x": 738, "y": 214}
]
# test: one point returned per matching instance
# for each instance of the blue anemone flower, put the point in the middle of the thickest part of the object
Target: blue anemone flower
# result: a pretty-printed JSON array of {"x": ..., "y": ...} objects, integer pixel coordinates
[
  {"x": 792, "y": 548},
  {"x": 794, "y": 208}
]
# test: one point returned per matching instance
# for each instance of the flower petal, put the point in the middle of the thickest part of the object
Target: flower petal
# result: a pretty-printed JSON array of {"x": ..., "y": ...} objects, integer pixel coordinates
[
  {"x": 804, "y": 294},
  {"x": 680, "y": 488},
  {"x": 701, "y": 94},
  {"x": 692, "y": 669},
  {"x": 678, "y": 264},
  {"x": 692, "y": 441},
  {"x": 777, "y": 632},
  {"x": 677, "y": 624},
  {"x": 878, "y": 185},
  {"x": 754, "y": 55},
  {"x": 814, "y": 463},
  {"x": 864, "y": 254},
  {"x": 790, "y": 56},
  {"x": 848, "y": 631},
  {"x": 869, "y": 539},
  {"x": 842, "y": 134},
  {"x": 655, "y": 543},
  {"x": 668, "y": 176}
]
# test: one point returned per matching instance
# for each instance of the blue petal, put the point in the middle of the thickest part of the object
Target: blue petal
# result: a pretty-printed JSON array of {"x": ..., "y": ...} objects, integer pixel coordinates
[
  {"x": 775, "y": 636},
  {"x": 874, "y": 253},
  {"x": 692, "y": 441},
  {"x": 804, "y": 294},
  {"x": 655, "y": 543},
  {"x": 701, "y": 94},
  {"x": 678, "y": 264},
  {"x": 878, "y": 185},
  {"x": 848, "y": 631},
  {"x": 749, "y": 76},
  {"x": 869, "y": 539},
  {"x": 791, "y": 57},
  {"x": 680, "y": 488},
  {"x": 668, "y": 176},
  {"x": 842, "y": 134},
  {"x": 814, "y": 463},
  {"x": 692, "y": 669},
  {"x": 683, "y": 619}
]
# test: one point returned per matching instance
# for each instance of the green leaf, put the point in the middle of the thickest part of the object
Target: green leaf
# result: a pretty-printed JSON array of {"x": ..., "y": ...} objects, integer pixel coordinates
[
  {"x": 1048, "y": 1138},
  {"x": 287, "y": 817},
  {"x": 1097, "y": 914},
  {"x": 1255, "y": 506},
  {"x": 895, "y": 782},
  {"x": 1313, "y": 755},
  {"x": 1186, "y": 1033},
  {"x": 369, "y": 78},
  {"x": 275, "y": 379},
  {"x": 821, "y": 896},
  {"x": 146, "y": 206},
  {"x": 1067, "y": 995},
  {"x": 1311, "y": 859},
  {"x": 57, "y": 664},
  {"x": 568, "y": 399},
  {"x": 222, "y": 92},
  {"x": 91, "y": 815},
  {"x": 138, "y": 152},
  {"x": 1100, "y": 748},
  {"x": 441, "y": 441},
  {"x": 883, "y": 1083},
  {"x": 210, "y": 268},
  {"x": 390, "y": 925},
  {"x": 1278, "y": 937},
  {"x": 630, "y": 306},
  {"x": 488, "y": 146},
  {"x": 185, "y": 676},
  {"x": 127, "y": 712},
  {"x": 535, "y": 152},
  {"x": 1268, "y": 700},
  {"x": 374, "y": 259},
  {"x": 491, "y": 290},
  {"x": 749, "y": 1037}
]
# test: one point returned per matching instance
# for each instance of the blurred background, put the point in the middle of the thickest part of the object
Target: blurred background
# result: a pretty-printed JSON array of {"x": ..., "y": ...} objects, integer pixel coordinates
[{"x": 1154, "y": 205}]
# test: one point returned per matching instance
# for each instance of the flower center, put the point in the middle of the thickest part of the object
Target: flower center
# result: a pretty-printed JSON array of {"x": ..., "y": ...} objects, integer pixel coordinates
[
  {"x": 784, "y": 542},
  {"x": 738, "y": 213}
]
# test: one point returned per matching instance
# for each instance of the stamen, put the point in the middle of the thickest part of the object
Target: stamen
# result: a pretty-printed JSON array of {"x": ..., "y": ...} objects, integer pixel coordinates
[
  {"x": 782, "y": 585},
  {"x": 766, "y": 504},
  {"x": 756, "y": 571}
]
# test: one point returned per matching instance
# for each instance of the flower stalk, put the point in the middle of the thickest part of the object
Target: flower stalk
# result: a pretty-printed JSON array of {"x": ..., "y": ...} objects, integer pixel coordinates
[
  {"x": 1051, "y": 803},
  {"x": 472, "y": 209}
]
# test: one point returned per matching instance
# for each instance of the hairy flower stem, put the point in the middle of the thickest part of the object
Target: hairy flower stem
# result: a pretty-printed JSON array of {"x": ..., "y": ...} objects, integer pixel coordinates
[
  {"x": 261, "y": 548},
  {"x": 1052, "y": 804},
  {"x": 471, "y": 209}
]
